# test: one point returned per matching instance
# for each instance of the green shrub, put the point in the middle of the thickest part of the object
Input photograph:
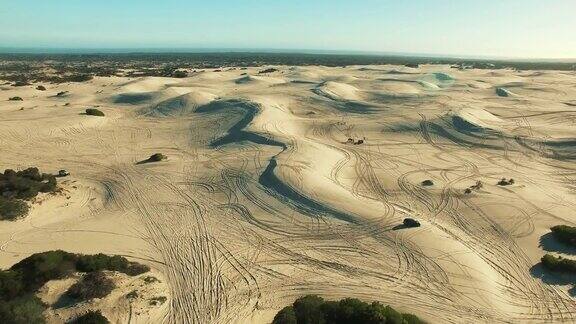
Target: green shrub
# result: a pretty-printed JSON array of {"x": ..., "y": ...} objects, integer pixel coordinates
[
  {"x": 11, "y": 284},
  {"x": 285, "y": 316},
  {"x": 97, "y": 262},
  {"x": 92, "y": 285},
  {"x": 157, "y": 157},
  {"x": 179, "y": 74},
  {"x": 11, "y": 209},
  {"x": 22, "y": 185},
  {"x": 269, "y": 70},
  {"x": 132, "y": 295},
  {"x": 158, "y": 300},
  {"x": 315, "y": 310},
  {"x": 78, "y": 78},
  {"x": 94, "y": 112},
  {"x": 558, "y": 264},
  {"x": 427, "y": 183},
  {"x": 18, "y": 284},
  {"x": 39, "y": 268},
  {"x": 565, "y": 234},
  {"x": 15, "y": 99},
  {"x": 91, "y": 317},
  {"x": 22, "y": 310}
]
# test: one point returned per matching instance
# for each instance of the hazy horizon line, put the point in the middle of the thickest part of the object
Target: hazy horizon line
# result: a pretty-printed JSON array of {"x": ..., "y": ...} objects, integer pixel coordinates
[{"x": 208, "y": 50}]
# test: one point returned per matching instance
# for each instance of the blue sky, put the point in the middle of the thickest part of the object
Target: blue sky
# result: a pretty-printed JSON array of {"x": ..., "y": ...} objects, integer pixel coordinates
[{"x": 506, "y": 28}]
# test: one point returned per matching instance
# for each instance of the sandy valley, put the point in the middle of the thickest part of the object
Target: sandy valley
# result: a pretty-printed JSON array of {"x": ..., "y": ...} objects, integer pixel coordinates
[{"x": 296, "y": 181}]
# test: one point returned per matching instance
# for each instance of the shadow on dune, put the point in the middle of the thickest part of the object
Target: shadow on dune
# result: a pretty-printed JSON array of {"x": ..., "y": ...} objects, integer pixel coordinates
[
  {"x": 549, "y": 243},
  {"x": 132, "y": 98},
  {"x": 236, "y": 133},
  {"x": 64, "y": 301},
  {"x": 288, "y": 195},
  {"x": 552, "y": 278}
]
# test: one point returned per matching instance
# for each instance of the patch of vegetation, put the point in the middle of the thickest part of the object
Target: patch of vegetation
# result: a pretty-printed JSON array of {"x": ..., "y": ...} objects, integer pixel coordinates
[
  {"x": 15, "y": 99},
  {"x": 61, "y": 93},
  {"x": 427, "y": 183},
  {"x": 91, "y": 317},
  {"x": 41, "y": 88},
  {"x": 18, "y": 186},
  {"x": 150, "y": 279},
  {"x": 97, "y": 262},
  {"x": 476, "y": 186},
  {"x": 269, "y": 70},
  {"x": 156, "y": 157},
  {"x": 12, "y": 209},
  {"x": 94, "y": 112},
  {"x": 565, "y": 234},
  {"x": 504, "y": 182},
  {"x": 179, "y": 74},
  {"x": 22, "y": 310},
  {"x": 558, "y": 264},
  {"x": 19, "y": 283},
  {"x": 159, "y": 300},
  {"x": 132, "y": 295},
  {"x": 312, "y": 309},
  {"x": 22, "y": 83},
  {"x": 92, "y": 285}
]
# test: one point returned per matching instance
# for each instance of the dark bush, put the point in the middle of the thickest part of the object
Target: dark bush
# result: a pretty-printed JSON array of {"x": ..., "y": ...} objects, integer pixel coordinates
[
  {"x": 94, "y": 112},
  {"x": 11, "y": 284},
  {"x": 92, "y": 285},
  {"x": 135, "y": 269},
  {"x": 315, "y": 310},
  {"x": 269, "y": 70},
  {"x": 157, "y": 157},
  {"x": 504, "y": 182},
  {"x": 77, "y": 78},
  {"x": 61, "y": 93},
  {"x": 565, "y": 234},
  {"x": 16, "y": 99},
  {"x": 39, "y": 268},
  {"x": 12, "y": 209},
  {"x": 21, "y": 83},
  {"x": 285, "y": 316},
  {"x": 179, "y": 74},
  {"x": 558, "y": 264},
  {"x": 427, "y": 183},
  {"x": 97, "y": 262},
  {"x": 308, "y": 309},
  {"x": 22, "y": 310},
  {"x": 22, "y": 280},
  {"x": 91, "y": 317},
  {"x": 22, "y": 185},
  {"x": 158, "y": 300},
  {"x": 41, "y": 88}
]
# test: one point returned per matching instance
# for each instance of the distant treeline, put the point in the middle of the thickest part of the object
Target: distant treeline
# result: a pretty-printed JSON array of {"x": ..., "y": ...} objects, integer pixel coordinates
[{"x": 238, "y": 59}]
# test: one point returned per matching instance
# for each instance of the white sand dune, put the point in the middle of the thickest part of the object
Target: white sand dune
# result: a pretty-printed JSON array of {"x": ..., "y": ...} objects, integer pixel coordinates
[
  {"x": 252, "y": 79},
  {"x": 278, "y": 187},
  {"x": 339, "y": 91},
  {"x": 181, "y": 105}
]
